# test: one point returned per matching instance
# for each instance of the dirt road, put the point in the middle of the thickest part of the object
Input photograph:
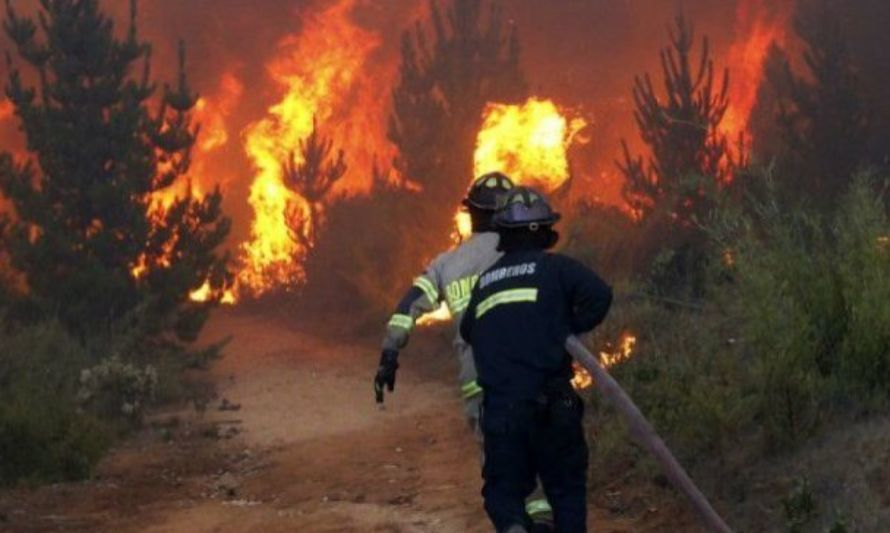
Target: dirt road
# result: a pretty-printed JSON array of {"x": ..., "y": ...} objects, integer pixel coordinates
[{"x": 298, "y": 446}]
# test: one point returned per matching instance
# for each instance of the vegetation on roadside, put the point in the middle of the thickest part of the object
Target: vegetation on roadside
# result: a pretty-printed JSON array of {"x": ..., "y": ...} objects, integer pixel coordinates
[
  {"x": 760, "y": 304},
  {"x": 101, "y": 244}
]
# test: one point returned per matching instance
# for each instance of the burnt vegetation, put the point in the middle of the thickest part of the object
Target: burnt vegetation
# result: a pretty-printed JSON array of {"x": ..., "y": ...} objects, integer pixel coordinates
[
  {"x": 312, "y": 177},
  {"x": 463, "y": 57}
]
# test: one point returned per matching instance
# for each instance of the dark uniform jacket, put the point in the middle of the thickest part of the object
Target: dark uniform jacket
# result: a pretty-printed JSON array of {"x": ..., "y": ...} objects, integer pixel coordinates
[{"x": 521, "y": 312}]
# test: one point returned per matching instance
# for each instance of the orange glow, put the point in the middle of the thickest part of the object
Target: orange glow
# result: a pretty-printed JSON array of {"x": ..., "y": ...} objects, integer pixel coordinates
[
  {"x": 759, "y": 25},
  {"x": 527, "y": 142},
  {"x": 581, "y": 379},
  {"x": 728, "y": 257},
  {"x": 609, "y": 358},
  {"x": 442, "y": 314},
  {"x": 6, "y": 108},
  {"x": 211, "y": 113},
  {"x": 320, "y": 72},
  {"x": 620, "y": 353},
  {"x": 140, "y": 268},
  {"x": 205, "y": 293},
  {"x": 463, "y": 225}
]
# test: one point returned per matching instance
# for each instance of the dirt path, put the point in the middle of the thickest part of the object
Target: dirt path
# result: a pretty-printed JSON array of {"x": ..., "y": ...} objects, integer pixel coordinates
[{"x": 306, "y": 450}]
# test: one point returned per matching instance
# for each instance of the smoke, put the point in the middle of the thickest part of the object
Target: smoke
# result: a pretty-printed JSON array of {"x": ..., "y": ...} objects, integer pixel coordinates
[{"x": 586, "y": 53}]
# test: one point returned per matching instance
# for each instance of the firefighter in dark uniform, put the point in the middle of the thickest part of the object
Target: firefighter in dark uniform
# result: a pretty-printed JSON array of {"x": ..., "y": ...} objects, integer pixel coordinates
[
  {"x": 521, "y": 312},
  {"x": 450, "y": 279}
]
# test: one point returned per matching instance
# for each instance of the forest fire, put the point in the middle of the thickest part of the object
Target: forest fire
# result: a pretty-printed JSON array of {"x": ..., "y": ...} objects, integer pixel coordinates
[
  {"x": 320, "y": 73},
  {"x": 205, "y": 293},
  {"x": 213, "y": 112},
  {"x": 609, "y": 358},
  {"x": 267, "y": 192},
  {"x": 760, "y": 24},
  {"x": 210, "y": 115},
  {"x": 463, "y": 226},
  {"x": 528, "y": 142}
]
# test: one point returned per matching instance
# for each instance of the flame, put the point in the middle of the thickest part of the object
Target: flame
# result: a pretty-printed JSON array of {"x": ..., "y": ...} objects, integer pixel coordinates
[
  {"x": 442, "y": 314},
  {"x": 759, "y": 25},
  {"x": 528, "y": 142},
  {"x": 463, "y": 226},
  {"x": 609, "y": 358},
  {"x": 320, "y": 74},
  {"x": 581, "y": 379},
  {"x": 621, "y": 353},
  {"x": 140, "y": 268},
  {"x": 211, "y": 113},
  {"x": 728, "y": 258},
  {"x": 205, "y": 293}
]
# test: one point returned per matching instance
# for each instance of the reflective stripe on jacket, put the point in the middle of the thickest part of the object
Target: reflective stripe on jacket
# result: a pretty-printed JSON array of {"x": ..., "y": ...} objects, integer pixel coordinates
[{"x": 449, "y": 278}]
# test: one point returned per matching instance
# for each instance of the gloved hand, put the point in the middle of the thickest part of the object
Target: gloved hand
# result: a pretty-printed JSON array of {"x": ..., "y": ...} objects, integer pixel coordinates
[{"x": 386, "y": 373}]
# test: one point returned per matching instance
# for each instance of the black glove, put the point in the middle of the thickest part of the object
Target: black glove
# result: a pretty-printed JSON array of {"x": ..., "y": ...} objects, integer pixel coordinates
[{"x": 386, "y": 373}]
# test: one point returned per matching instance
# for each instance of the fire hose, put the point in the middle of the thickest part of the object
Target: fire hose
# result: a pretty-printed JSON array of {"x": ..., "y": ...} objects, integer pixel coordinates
[{"x": 645, "y": 434}]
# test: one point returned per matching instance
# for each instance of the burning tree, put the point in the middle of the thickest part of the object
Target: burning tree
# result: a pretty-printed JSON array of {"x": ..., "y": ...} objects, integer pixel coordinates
[
  {"x": 445, "y": 81},
  {"x": 822, "y": 115},
  {"x": 443, "y": 88},
  {"x": 94, "y": 235},
  {"x": 690, "y": 155},
  {"x": 312, "y": 179}
]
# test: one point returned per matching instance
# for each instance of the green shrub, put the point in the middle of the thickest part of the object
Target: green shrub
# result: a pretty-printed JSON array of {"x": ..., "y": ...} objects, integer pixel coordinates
[
  {"x": 793, "y": 331},
  {"x": 47, "y": 441},
  {"x": 685, "y": 375},
  {"x": 862, "y": 231},
  {"x": 116, "y": 389},
  {"x": 811, "y": 298},
  {"x": 799, "y": 507},
  {"x": 43, "y": 435}
]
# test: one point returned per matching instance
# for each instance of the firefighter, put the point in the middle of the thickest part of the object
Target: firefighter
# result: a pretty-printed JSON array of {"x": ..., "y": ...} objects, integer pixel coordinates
[
  {"x": 521, "y": 312},
  {"x": 450, "y": 278}
]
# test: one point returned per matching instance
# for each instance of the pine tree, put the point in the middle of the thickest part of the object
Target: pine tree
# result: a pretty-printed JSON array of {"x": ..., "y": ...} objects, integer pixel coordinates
[
  {"x": 312, "y": 178},
  {"x": 823, "y": 114},
  {"x": 88, "y": 236},
  {"x": 689, "y": 154},
  {"x": 443, "y": 87}
]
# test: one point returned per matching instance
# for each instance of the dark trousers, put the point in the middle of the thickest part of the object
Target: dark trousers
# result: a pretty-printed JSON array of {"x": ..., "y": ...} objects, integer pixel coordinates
[{"x": 525, "y": 441}]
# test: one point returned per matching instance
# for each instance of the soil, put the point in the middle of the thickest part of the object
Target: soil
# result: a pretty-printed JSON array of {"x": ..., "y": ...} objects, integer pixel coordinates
[{"x": 294, "y": 442}]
